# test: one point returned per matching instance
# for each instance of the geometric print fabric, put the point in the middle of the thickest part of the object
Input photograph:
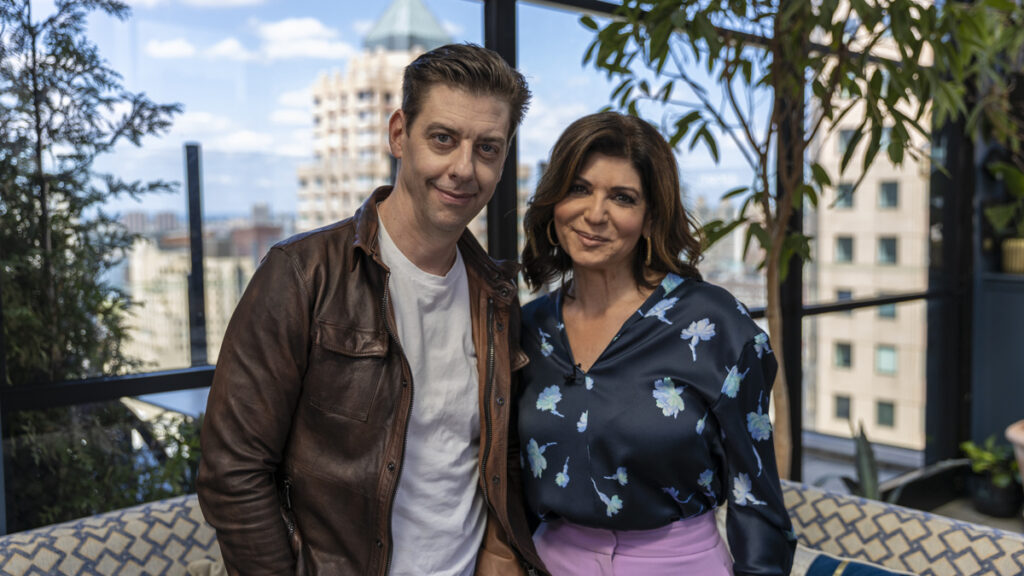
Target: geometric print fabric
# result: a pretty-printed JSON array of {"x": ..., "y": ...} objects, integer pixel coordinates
[
  {"x": 164, "y": 537},
  {"x": 156, "y": 538},
  {"x": 899, "y": 538}
]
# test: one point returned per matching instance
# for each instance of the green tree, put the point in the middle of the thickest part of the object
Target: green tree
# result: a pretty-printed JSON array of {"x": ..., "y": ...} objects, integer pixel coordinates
[
  {"x": 62, "y": 106},
  {"x": 787, "y": 71}
]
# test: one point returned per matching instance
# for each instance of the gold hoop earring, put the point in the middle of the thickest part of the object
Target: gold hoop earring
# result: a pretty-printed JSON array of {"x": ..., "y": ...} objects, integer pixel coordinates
[
  {"x": 647, "y": 261},
  {"x": 551, "y": 225}
]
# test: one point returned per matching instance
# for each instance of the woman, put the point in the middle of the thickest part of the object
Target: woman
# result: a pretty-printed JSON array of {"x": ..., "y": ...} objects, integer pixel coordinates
[{"x": 645, "y": 402}]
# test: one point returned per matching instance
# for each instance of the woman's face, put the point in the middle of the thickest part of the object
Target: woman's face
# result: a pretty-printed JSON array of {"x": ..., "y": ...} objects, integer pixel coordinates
[{"x": 601, "y": 219}]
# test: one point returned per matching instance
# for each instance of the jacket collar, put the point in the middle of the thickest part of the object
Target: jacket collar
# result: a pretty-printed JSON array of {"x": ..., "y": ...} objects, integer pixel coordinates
[{"x": 498, "y": 275}]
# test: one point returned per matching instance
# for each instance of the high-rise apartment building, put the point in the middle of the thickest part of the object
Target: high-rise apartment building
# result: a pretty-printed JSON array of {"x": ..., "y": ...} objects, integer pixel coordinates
[
  {"x": 869, "y": 242},
  {"x": 351, "y": 112}
]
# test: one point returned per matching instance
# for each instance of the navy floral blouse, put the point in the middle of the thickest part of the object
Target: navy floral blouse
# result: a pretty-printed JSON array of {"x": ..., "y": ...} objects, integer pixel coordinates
[{"x": 669, "y": 422}]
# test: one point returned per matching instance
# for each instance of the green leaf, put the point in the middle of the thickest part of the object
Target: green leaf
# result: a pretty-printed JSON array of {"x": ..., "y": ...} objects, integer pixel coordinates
[
  {"x": 820, "y": 175},
  {"x": 588, "y": 22},
  {"x": 735, "y": 192}
]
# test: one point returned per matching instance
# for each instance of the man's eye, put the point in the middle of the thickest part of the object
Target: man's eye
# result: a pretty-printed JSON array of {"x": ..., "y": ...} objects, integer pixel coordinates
[
  {"x": 442, "y": 138},
  {"x": 489, "y": 149}
]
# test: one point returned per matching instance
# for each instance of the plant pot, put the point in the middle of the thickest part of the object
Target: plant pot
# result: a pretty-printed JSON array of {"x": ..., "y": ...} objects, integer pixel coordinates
[
  {"x": 1013, "y": 255},
  {"x": 992, "y": 500}
]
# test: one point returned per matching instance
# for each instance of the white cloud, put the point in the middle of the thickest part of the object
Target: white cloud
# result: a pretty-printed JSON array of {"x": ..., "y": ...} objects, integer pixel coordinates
[
  {"x": 176, "y": 48},
  {"x": 452, "y": 28},
  {"x": 302, "y": 38},
  {"x": 362, "y": 27},
  {"x": 229, "y": 49},
  {"x": 291, "y": 117},
  {"x": 243, "y": 141},
  {"x": 296, "y": 98},
  {"x": 195, "y": 124},
  {"x": 543, "y": 124}
]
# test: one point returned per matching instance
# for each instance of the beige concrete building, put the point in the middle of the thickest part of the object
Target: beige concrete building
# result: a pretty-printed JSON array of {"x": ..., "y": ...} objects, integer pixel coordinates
[
  {"x": 158, "y": 282},
  {"x": 869, "y": 242},
  {"x": 351, "y": 111}
]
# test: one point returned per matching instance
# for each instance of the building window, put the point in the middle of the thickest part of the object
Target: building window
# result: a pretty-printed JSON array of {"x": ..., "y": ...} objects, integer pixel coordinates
[
  {"x": 889, "y": 195},
  {"x": 844, "y": 196},
  {"x": 844, "y": 295},
  {"x": 842, "y": 407},
  {"x": 845, "y": 137},
  {"x": 885, "y": 414},
  {"x": 887, "y": 311},
  {"x": 885, "y": 359},
  {"x": 365, "y": 95},
  {"x": 887, "y": 250},
  {"x": 844, "y": 355},
  {"x": 844, "y": 248}
]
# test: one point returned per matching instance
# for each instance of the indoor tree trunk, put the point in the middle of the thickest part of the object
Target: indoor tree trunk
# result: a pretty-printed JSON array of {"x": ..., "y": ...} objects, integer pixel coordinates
[{"x": 780, "y": 393}]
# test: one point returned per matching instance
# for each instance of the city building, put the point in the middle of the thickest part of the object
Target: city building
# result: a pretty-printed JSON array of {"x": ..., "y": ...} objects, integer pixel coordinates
[
  {"x": 871, "y": 239},
  {"x": 351, "y": 112},
  {"x": 157, "y": 274}
]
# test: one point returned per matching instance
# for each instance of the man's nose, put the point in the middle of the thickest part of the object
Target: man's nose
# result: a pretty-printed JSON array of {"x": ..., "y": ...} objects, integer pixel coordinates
[{"x": 461, "y": 167}]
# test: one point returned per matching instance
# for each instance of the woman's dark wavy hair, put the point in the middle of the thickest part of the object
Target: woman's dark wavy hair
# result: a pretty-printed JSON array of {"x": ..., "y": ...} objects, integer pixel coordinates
[{"x": 676, "y": 244}]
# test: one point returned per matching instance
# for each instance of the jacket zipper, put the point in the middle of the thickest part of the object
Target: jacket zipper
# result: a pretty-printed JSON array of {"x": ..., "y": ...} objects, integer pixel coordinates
[
  {"x": 405, "y": 432},
  {"x": 488, "y": 387}
]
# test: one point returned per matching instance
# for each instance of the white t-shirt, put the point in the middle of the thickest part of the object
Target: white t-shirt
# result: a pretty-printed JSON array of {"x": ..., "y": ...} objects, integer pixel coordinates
[{"x": 439, "y": 515}]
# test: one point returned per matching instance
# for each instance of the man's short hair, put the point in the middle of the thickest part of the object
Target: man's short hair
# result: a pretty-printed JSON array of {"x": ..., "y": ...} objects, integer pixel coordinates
[{"x": 468, "y": 67}]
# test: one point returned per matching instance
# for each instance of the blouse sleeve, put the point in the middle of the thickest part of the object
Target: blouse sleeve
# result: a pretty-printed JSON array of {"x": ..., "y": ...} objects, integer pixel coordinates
[{"x": 759, "y": 531}]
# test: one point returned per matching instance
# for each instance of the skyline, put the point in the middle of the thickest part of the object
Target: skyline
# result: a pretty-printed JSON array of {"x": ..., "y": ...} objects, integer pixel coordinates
[{"x": 243, "y": 71}]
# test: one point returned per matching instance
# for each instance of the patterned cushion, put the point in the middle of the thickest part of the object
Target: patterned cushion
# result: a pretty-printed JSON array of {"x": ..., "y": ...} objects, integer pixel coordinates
[
  {"x": 899, "y": 538},
  {"x": 157, "y": 538}
]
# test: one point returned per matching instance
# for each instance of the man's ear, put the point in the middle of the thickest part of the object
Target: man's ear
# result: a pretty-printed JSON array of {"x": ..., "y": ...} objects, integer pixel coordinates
[{"x": 396, "y": 129}]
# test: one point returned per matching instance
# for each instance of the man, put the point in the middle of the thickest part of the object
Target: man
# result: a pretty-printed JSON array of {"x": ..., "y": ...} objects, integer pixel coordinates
[{"x": 358, "y": 421}]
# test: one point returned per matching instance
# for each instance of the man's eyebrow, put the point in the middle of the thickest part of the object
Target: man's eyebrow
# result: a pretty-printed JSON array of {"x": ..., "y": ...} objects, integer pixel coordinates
[{"x": 498, "y": 138}]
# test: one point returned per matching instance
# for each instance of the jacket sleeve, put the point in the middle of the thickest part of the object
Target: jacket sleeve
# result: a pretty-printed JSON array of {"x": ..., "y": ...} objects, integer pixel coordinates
[
  {"x": 759, "y": 530},
  {"x": 255, "y": 389}
]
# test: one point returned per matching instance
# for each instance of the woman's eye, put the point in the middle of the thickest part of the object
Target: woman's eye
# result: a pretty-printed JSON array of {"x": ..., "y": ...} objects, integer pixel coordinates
[
  {"x": 625, "y": 199},
  {"x": 577, "y": 189}
]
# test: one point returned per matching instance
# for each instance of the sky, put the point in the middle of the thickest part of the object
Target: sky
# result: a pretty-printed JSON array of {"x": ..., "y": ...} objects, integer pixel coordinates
[{"x": 242, "y": 70}]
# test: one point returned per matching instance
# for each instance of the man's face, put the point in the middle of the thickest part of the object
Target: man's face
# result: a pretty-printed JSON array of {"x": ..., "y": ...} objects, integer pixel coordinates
[{"x": 451, "y": 157}]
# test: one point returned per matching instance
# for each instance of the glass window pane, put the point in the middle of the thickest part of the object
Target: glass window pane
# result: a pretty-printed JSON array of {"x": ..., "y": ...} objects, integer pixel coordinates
[
  {"x": 886, "y": 414},
  {"x": 69, "y": 462},
  {"x": 889, "y": 194},
  {"x": 554, "y": 73},
  {"x": 887, "y": 250},
  {"x": 886, "y": 361},
  {"x": 291, "y": 114},
  {"x": 842, "y": 407},
  {"x": 845, "y": 137},
  {"x": 844, "y": 249},
  {"x": 887, "y": 311},
  {"x": 843, "y": 355},
  {"x": 844, "y": 196}
]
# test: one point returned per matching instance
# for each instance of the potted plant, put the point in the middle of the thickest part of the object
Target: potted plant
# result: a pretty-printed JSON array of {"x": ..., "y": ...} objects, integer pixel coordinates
[
  {"x": 995, "y": 484},
  {"x": 1007, "y": 218}
]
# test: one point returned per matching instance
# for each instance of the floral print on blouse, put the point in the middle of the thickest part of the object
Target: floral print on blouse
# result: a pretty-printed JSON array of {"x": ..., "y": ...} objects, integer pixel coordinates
[{"x": 670, "y": 422}]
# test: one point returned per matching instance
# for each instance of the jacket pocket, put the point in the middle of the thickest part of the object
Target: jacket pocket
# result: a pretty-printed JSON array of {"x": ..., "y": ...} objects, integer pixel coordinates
[{"x": 345, "y": 371}]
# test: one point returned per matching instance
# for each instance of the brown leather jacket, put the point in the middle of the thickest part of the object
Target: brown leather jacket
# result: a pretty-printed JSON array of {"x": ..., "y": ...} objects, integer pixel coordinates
[{"x": 305, "y": 427}]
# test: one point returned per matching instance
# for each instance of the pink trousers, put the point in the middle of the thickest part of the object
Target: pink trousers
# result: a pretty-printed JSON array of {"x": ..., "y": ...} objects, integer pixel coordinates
[{"x": 690, "y": 546}]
